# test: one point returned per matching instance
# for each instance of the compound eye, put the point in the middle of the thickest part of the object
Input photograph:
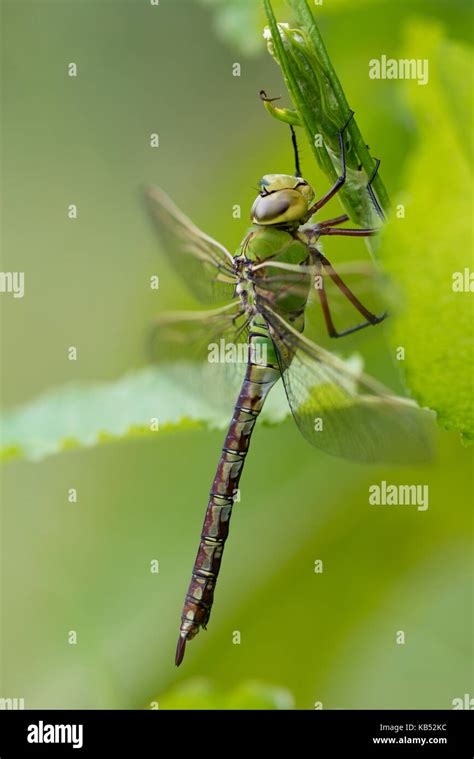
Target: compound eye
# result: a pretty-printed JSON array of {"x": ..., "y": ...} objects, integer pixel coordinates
[{"x": 265, "y": 211}]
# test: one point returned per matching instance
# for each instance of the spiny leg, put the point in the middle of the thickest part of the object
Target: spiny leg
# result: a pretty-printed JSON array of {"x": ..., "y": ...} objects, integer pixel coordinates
[
  {"x": 332, "y": 332},
  {"x": 323, "y": 299},
  {"x": 333, "y": 222},
  {"x": 341, "y": 179},
  {"x": 320, "y": 261},
  {"x": 326, "y": 227},
  {"x": 295, "y": 150},
  {"x": 313, "y": 232},
  {"x": 348, "y": 232},
  {"x": 371, "y": 192}
]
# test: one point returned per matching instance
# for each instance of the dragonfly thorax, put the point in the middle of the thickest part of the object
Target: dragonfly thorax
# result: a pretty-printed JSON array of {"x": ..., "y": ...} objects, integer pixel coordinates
[
  {"x": 283, "y": 200},
  {"x": 245, "y": 288}
]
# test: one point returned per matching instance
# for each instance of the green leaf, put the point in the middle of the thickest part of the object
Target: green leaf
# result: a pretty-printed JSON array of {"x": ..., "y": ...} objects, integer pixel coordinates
[
  {"x": 322, "y": 108},
  {"x": 145, "y": 403},
  {"x": 80, "y": 415},
  {"x": 432, "y": 244},
  {"x": 200, "y": 694}
]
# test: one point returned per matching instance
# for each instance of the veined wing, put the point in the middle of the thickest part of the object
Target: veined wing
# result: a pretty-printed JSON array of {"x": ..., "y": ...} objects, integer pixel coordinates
[
  {"x": 213, "y": 344},
  {"x": 218, "y": 336},
  {"x": 204, "y": 264},
  {"x": 369, "y": 424},
  {"x": 277, "y": 277},
  {"x": 362, "y": 277},
  {"x": 274, "y": 271}
]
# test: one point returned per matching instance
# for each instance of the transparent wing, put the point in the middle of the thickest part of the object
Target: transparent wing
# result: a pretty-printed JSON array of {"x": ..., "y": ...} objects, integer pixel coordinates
[
  {"x": 362, "y": 278},
  {"x": 274, "y": 272},
  {"x": 203, "y": 263},
  {"x": 218, "y": 338},
  {"x": 368, "y": 425},
  {"x": 279, "y": 282}
]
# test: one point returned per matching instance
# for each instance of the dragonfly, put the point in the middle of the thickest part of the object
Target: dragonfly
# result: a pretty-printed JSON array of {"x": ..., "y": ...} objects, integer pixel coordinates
[{"x": 265, "y": 287}]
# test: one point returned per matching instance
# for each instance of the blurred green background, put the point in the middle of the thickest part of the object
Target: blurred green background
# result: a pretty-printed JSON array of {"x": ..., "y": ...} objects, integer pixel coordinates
[{"x": 327, "y": 637}]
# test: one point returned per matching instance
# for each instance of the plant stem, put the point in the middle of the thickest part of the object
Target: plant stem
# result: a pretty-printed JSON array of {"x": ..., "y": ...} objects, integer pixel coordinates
[{"x": 306, "y": 19}]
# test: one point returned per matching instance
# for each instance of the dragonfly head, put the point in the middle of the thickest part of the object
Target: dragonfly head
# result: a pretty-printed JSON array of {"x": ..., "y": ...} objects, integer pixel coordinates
[{"x": 283, "y": 199}]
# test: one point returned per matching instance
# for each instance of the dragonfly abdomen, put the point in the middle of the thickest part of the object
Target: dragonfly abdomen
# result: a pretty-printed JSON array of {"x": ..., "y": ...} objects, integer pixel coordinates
[{"x": 259, "y": 379}]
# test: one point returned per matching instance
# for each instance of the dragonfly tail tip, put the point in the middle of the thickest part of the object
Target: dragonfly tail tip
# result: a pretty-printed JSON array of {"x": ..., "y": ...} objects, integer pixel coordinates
[{"x": 180, "y": 649}]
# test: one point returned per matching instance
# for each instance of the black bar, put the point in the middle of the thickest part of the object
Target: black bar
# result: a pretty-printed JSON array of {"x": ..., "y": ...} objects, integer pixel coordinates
[{"x": 178, "y": 733}]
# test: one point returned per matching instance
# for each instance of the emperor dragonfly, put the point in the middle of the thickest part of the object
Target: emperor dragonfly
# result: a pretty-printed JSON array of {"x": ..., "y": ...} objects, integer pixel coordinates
[{"x": 267, "y": 282}]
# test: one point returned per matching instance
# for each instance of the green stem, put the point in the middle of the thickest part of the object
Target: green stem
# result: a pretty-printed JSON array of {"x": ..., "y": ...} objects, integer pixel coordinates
[
  {"x": 322, "y": 109},
  {"x": 322, "y": 156},
  {"x": 306, "y": 19}
]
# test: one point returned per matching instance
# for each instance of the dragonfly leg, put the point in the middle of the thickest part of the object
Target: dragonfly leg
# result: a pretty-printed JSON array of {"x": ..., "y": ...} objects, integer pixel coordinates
[
  {"x": 313, "y": 232},
  {"x": 333, "y": 222},
  {"x": 341, "y": 179},
  {"x": 371, "y": 192},
  {"x": 348, "y": 232},
  {"x": 371, "y": 318},
  {"x": 295, "y": 151}
]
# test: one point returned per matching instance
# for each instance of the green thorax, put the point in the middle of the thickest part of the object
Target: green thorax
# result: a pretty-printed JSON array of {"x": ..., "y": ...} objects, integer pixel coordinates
[
  {"x": 272, "y": 242},
  {"x": 286, "y": 291}
]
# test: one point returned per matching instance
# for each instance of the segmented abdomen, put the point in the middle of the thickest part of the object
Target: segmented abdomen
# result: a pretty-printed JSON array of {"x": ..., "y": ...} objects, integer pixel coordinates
[{"x": 259, "y": 379}]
